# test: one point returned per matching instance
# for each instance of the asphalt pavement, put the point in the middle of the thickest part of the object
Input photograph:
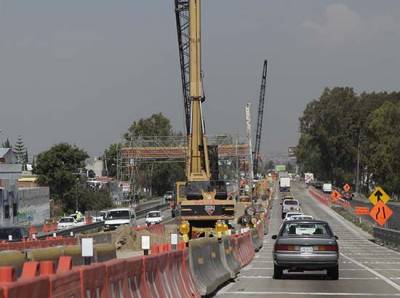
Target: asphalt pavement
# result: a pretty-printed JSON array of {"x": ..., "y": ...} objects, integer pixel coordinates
[{"x": 366, "y": 269}]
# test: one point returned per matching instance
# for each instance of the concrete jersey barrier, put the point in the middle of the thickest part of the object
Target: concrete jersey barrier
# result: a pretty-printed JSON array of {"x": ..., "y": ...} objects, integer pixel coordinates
[{"x": 206, "y": 265}]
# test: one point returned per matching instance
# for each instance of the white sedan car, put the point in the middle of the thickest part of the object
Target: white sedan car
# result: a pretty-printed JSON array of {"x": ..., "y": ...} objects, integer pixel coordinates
[
  {"x": 66, "y": 223},
  {"x": 154, "y": 217}
]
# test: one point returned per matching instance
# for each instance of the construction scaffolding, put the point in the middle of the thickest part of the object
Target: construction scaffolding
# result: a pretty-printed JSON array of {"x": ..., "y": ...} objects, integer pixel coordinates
[{"x": 141, "y": 151}]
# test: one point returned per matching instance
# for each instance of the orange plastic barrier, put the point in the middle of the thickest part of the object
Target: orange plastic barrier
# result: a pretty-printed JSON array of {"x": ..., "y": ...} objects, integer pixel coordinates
[
  {"x": 30, "y": 270},
  {"x": 46, "y": 268},
  {"x": 37, "y": 287},
  {"x": 156, "y": 229},
  {"x": 136, "y": 277},
  {"x": 154, "y": 268},
  {"x": 181, "y": 280},
  {"x": 7, "y": 274},
  {"x": 32, "y": 244},
  {"x": 64, "y": 264},
  {"x": 155, "y": 249},
  {"x": 93, "y": 280},
  {"x": 116, "y": 278},
  {"x": 66, "y": 284},
  {"x": 243, "y": 249}
]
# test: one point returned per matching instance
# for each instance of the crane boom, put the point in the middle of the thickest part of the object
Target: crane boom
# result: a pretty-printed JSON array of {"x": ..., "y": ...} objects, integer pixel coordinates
[
  {"x": 198, "y": 168},
  {"x": 256, "y": 152},
  {"x": 182, "y": 26}
]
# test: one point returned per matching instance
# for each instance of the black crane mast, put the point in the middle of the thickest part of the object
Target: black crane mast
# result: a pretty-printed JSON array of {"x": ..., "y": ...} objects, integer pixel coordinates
[
  {"x": 182, "y": 26},
  {"x": 256, "y": 152}
]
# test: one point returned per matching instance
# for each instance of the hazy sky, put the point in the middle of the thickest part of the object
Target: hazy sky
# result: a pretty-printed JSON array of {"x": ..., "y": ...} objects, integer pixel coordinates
[{"x": 81, "y": 71}]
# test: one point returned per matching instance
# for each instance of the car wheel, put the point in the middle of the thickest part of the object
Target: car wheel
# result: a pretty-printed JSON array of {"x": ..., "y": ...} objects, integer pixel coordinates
[
  {"x": 333, "y": 273},
  {"x": 278, "y": 271}
]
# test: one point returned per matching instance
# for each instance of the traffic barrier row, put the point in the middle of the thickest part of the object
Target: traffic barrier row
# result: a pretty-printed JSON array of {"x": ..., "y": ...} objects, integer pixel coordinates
[
  {"x": 324, "y": 200},
  {"x": 32, "y": 244},
  {"x": 16, "y": 259},
  {"x": 183, "y": 272},
  {"x": 163, "y": 275}
]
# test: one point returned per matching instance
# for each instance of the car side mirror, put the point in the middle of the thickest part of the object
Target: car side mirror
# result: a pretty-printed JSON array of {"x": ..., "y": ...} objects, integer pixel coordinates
[
  {"x": 274, "y": 236},
  {"x": 336, "y": 237}
]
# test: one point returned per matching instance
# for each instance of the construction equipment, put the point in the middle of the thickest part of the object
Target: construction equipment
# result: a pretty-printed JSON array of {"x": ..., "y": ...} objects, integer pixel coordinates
[
  {"x": 206, "y": 208},
  {"x": 256, "y": 152}
]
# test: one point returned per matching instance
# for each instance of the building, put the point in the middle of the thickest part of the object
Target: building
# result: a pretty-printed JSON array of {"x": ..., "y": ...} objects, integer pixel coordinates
[{"x": 20, "y": 205}]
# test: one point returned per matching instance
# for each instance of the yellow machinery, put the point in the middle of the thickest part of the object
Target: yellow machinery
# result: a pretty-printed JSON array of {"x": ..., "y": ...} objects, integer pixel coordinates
[{"x": 205, "y": 209}]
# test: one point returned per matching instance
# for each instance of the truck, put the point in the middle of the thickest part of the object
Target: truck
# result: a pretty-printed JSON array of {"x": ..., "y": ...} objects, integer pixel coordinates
[
  {"x": 284, "y": 184},
  {"x": 308, "y": 178},
  {"x": 327, "y": 187},
  {"x": 118, "y": 217}
]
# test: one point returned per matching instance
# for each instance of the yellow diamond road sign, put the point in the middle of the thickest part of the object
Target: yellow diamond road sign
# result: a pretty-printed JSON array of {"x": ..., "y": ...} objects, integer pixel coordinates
[{"x": 379, "y": 195}]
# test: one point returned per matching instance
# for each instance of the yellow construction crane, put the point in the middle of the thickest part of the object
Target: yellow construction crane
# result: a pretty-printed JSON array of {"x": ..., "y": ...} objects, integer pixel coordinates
[{"x": 205, "y": 209}]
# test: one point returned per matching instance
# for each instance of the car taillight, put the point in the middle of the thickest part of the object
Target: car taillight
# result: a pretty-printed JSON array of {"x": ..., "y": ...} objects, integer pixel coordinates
[
  {"x": 328, "y": 248},
  {"x": 285, "y": 247}
]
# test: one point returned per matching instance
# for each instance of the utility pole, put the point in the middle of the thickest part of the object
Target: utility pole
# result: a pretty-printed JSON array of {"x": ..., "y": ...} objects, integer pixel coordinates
[
  {"x": 248, "y": 133},
  {"x": 358, "y": 164}
]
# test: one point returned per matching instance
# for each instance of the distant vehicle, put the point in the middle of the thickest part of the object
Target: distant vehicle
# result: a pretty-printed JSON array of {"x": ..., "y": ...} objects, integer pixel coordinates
[
  {"x": 153, "y": 217},
  {"x": 284, "y": 184},
  {"x": 348, "y": 196},
  {"x": 327, "y": 187},
  {"x": 169, "y": 195},
  {"x": 306, "y": 245},
  {"x": 318, "y": 185},
  {"x": 301, "y": 217},
  {"x": 290, "y": 205},
  {"x": 17, "y": 233},
  {"x": 100, "y": 216},
  {"x": 287, "y": 197},
  {"x": 308, "y": 178},
  {"x": 119, "y": 216},
  {"x": 291, "y": 215},
  {"x": 66, "y": 223}
]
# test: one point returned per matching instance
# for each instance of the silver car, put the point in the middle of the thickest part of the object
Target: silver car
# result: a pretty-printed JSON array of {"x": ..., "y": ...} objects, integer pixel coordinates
[{"x": 304, "y": 245}]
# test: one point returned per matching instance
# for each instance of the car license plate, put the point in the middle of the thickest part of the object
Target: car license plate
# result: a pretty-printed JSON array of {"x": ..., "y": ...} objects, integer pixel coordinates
[{"x": 306, "y": 250}]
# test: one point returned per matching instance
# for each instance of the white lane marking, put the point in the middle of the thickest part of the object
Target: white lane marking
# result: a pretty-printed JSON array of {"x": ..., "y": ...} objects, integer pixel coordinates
[
  {"x": 312, "y": 294},
  {"x": 341, "y": 278},
  {"x": 377, "y": 274}
]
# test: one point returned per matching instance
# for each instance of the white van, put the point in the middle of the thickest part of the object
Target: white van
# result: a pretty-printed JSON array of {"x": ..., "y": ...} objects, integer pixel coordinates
[
  {"x": 327, "y": 187},
  {"x": 118, "y": 217}
]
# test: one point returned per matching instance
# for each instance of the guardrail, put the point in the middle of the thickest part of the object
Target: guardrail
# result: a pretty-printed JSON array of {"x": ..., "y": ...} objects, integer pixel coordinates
[
  {"x": 387, "y": 236},
  {"x": 75, "y": 230}
]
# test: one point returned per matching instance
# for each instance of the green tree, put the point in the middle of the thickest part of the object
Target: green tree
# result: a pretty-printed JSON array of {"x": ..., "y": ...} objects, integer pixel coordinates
[
  {"x": 20, "y": 151},
  {"x": 155, "y": 125},
  {"x": 6, "y": 144},
  {"x": 383, "y": 134},
  {"x": 58, "y": 168}
]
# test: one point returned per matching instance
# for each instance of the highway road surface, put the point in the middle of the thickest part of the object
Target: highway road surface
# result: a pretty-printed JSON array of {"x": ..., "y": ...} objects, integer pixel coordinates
[{"x": 366, "y": 269}]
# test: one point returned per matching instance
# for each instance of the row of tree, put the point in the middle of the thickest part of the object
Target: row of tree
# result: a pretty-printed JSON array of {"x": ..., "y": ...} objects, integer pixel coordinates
[{"x": 343, "y": 127}]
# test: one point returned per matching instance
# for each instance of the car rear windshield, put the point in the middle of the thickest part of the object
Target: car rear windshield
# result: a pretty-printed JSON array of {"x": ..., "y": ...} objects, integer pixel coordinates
[
  {"x": 306, "y": 229},
  {"x": 118, "y": 214},
  {"x": 291, "y": 202},
  {"x": 153, "y": 214}
]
